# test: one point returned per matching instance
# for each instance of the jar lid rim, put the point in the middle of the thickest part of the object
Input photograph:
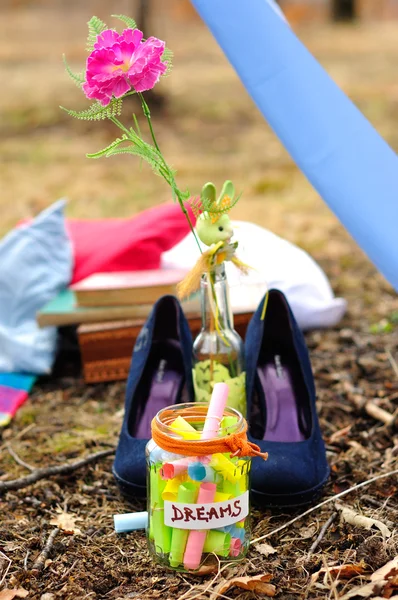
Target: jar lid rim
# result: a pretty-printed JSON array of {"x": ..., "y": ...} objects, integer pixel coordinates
[{"x": 196, "y": 412}]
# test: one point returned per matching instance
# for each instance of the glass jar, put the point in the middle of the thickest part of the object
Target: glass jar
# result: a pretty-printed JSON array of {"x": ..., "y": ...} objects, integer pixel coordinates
[
  {"x": 218, "y": 353},
  {"x": 198, "y": 503}
]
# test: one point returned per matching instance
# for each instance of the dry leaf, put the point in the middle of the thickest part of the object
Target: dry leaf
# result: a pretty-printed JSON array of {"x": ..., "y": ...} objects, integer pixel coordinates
[
  {"x": 348, "y": 571},
  {"x": 341, "y": 571},
  {"x": 379, "y": 580},
  {"x": 308, "y": 532},
  {"x": 15, "y": 593},
  {"x": 257, "y": 583},
  {"x": 341, "y": 486},
  {"x": 363, "y": 591},
  {"x": 66, "y": 522},
  {"x": 352, "y": 518},
  {"x": 11, "y": 546},
  {"x": 389, "y": 570},
  {"x": 265, "y": 549}
]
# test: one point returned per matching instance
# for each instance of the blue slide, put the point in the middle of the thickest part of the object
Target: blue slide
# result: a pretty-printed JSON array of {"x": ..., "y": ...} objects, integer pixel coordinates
[{"x": 346, "y": 160}]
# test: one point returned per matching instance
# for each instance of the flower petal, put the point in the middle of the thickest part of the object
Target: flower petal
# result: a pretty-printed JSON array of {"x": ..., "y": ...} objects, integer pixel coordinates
[
  {"x": 107, "y": 38},
  {"x": 122, "y": 61},
  {"x": 120, "y": 87}
]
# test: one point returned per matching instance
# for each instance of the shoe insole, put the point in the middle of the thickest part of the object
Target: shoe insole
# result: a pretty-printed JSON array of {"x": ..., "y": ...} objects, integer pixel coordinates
[
  {"x": 283, "y": 421},
  {"x": 162, "y": 385}
]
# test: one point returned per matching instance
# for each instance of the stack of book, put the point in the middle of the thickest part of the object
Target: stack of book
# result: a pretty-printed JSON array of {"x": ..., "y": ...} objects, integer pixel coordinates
[{"x": 110, "y": 309}]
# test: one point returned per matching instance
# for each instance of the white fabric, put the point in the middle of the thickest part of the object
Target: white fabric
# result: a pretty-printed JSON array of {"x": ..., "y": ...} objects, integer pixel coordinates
[
  {"x": 276, "y": 263},
  {"x": 36, "y": 263}
]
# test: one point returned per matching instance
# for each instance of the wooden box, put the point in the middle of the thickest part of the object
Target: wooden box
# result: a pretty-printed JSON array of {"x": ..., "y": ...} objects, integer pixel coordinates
[{"x": 106, "y": 348}]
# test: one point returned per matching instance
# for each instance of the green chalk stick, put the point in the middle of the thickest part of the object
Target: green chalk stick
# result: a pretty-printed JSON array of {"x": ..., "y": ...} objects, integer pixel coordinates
[
  {"x": 228, "y": 425},
  {"x": 227, "y": 487},
  {"x": 157, "y": 486},
  {"x": 217, "y": 542},
  {"x": 150, "y": 530},
  {"x": 161, "y": 532},
  {"x": 187, "y": 493}
]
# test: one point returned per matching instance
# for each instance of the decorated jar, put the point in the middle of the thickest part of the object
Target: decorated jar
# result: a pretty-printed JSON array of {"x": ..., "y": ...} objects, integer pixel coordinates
[{"x": 198, "y": 487}]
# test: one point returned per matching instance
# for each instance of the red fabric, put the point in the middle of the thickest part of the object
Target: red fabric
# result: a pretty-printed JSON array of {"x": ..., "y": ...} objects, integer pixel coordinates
[{"x": 133, "y": 244}]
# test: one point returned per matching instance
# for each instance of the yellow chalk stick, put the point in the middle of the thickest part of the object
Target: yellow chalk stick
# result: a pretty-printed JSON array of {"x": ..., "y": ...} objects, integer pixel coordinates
[
  {"x": 184, "y": 429},
  {"x": 171, "y": 489},
  {"x": 221, "y": 497},
  {"x": 224, "y": 466}
]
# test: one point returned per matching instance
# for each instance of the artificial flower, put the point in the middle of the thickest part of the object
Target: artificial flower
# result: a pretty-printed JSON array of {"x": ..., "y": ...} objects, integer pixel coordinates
[{"x": 122, "y": 62}]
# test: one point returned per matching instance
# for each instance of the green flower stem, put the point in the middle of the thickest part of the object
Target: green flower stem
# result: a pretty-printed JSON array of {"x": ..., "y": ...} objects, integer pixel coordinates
[
  {"x": 147, "y": 113},
  {"x": 163, "y": 168},
  {"x": 176, "y": 191},
  {"x": 120, "y": 125}
]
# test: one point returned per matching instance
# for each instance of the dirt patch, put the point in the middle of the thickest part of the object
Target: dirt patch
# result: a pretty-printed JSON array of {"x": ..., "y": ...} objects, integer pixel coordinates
[{"x": 66, "y": 420}]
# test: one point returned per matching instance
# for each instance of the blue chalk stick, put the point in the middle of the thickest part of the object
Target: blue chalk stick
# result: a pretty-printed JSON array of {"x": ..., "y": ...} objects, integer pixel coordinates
[{"x": 130, "y": 522}]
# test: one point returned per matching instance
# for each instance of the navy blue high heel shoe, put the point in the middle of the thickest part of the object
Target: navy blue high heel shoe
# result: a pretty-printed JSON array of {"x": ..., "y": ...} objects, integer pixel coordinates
[
  {"x": 281, "y": 409},
  {"x": 160, "y": 375}
]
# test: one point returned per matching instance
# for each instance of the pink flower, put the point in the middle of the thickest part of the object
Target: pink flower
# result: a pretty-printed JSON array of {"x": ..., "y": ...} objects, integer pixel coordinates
[{"x": 121, "y": 62}]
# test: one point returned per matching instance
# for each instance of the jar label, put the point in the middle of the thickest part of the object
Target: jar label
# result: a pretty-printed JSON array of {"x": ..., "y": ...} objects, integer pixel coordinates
[{"x": 206, "y": 516}]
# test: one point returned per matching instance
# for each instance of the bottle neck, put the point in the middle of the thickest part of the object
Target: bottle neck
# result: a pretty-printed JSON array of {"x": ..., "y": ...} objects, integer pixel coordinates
[{"x": 215, "y": 301}]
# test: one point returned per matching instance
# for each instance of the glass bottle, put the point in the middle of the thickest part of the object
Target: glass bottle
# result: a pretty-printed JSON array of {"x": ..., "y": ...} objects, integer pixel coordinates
[{"x": 218, "y": 354}]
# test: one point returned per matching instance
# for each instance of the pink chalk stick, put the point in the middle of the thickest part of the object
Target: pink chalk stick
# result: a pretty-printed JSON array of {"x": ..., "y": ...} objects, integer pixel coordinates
[
  {"x": 196, "y": 539},
  {"x": 235, "y": 547},
  {"x": 175, "y": 468},
  {"x": 215, "y": 411}
]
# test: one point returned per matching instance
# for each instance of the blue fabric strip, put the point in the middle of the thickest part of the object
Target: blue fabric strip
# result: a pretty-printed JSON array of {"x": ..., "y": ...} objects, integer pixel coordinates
[
  {"x": 342, "y": 155},
  {"x": 18, "y": 381}
]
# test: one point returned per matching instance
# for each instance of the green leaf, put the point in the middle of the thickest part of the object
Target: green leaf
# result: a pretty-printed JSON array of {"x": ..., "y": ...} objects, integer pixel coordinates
[
  {"x": 139, "y": 148},
  {"x": 104, "y": 151},
  {"x": 78, "y": 78},
  {"x": 184, "y": 196},
  {"x": 167, "y": 57},
  {"x": 96, "y": 112},
  {"x": 383, "y": 326},
  {"x": 394, "y": 317},
  {"x": 126, "y": 20},
  {"x": 153, "y": 162},
  {"x": 95, "y": 27}
]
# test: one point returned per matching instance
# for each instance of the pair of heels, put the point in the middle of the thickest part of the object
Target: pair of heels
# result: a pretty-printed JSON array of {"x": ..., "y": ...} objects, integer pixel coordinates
[{"x": 280, "y": 393}]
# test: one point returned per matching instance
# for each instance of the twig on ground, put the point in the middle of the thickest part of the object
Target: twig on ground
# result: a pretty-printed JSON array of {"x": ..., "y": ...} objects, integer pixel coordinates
[
  {"x": 18, "y": 459},
  {"x": 37, "y": 474},
  {"x": 333, "y": 589},
  {"x": 321, "y": 534},
  {"x": 39, "y": 562},
  {"x": 19, "y": 435},
  {"x": 209, "y": 585},
  {"x": 374, "y": 411},
  {"x": 7, "y": 568},
  {"x": 68, "y": 572},
  {"x": 393, "y": 362},
  {"x": 378, "y": 504},
  {"x": 327, "y": 501}
]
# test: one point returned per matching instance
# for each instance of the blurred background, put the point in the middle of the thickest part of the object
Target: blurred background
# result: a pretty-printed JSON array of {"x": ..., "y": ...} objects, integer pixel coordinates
[{"x": 206, "y": 124}]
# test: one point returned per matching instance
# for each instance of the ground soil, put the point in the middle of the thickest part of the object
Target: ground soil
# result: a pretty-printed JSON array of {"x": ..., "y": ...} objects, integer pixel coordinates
[{"x": 209, "y": 129}]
